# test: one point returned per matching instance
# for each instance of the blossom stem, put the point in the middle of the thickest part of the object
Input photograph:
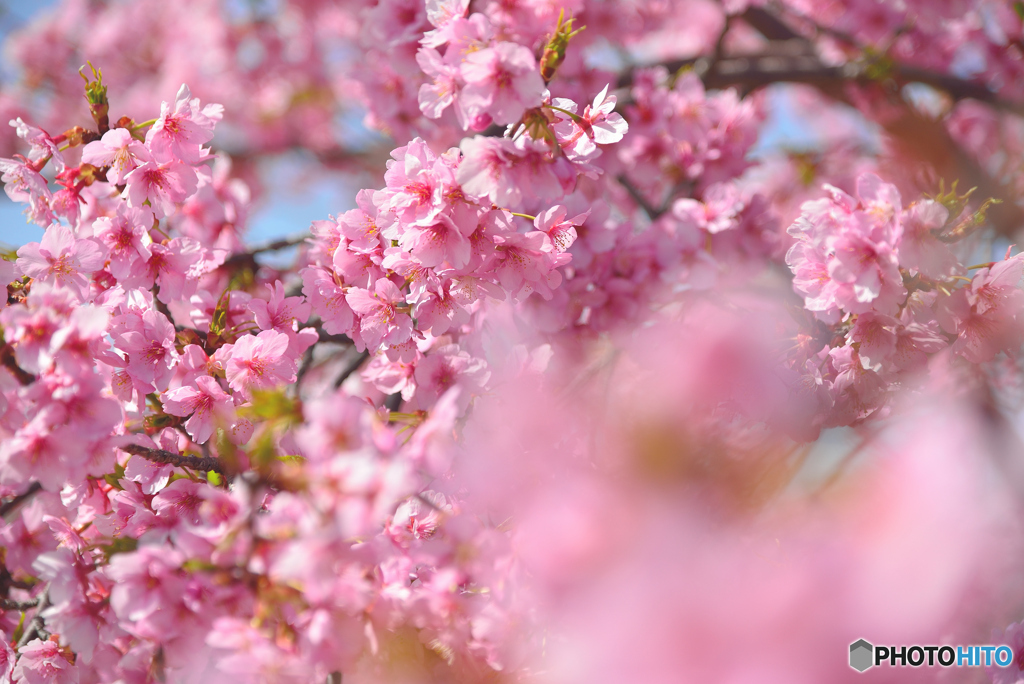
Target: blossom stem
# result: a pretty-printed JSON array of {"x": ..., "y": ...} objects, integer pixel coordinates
[
  {"x": 36, "y": 626},
  {"x": 575, "y": 117}
]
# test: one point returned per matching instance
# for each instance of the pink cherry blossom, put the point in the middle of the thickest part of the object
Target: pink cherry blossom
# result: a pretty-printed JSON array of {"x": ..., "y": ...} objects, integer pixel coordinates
[
  {"x": 205, "y": 405},
  {"x": 597, "y": 125},
  {"x": 560, "y": 229},
  {"x": 118, "y": 150},
  {"x": 502, "y": 81},
  {"x": 43, "y": 145},
  {"x": 178, "y": 135},
  {"x": 160, "y": 186},
  {"x": 126, "y": 235},
  {"x": 259, "y": 362},
  {"x": 379, "y": 318},
  {"x": 438, "y": 95},
  {"x": 44, "y": 662},
  {"x": 284, "y": 314},
  {"x": 442, "y": 242},
  {"x": 62, "y": 259}
]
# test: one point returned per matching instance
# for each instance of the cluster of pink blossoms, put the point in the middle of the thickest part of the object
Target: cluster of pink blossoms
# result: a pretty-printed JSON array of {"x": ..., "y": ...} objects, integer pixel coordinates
[
  {"x": 126, "y": 335},
  {"x": 408, "y": 270},
  {"x": 888, "y": 292}
]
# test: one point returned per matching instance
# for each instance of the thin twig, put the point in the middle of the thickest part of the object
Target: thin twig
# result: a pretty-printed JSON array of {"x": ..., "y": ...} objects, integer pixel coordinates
[
  {"x": 307, "y": 363},
  {"x": 652, "y": 213},
  {"x": 36, "y": 625},
  {"x": 16, "y": 501},
  {"x": 272, "y": 246}
]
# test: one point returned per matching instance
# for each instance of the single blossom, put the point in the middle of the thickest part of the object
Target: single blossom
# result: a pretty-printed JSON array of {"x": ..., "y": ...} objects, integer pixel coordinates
[
  {"x": 126, "y": 235},
  {"x": 599, "y": 124},
  {"x": 502, "y": 81},
  {"x": 379, "y": 317},
  {"x": 62, "y": 259},
  {"x": 160, "y": 186},
  {"x": 43, "y": 146},
  {"x": 179, "y": 133},
  {"x": 118, "y": 150},
  {"x": 205, "y": 405},
  {"x": 258, "y": 362}
]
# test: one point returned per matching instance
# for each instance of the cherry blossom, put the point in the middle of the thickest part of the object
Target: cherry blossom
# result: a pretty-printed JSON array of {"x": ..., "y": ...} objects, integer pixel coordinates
[
  {"x": 205, "y": 404},
  {"x": 259, "y": 362},
  {"x": 118, "y": 150},
  {"x": 62, "y": 259}
]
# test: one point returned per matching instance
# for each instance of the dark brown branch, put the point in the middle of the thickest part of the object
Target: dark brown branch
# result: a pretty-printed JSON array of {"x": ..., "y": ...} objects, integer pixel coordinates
[
  {"x": 768, "y": 25},
  {"x": 304, "y": 366},
  {"x": 351, "y": 368},
  {"x": 393, "y": 402},
  {"x": 204, "y": 463},
  {"x": 8, "y": 361},
  {"x": 756, "y": 71},
  {"x": 17, "y": 501},
  {"x": 652, "y": 213},
  {"x": 791, "y": 57}
]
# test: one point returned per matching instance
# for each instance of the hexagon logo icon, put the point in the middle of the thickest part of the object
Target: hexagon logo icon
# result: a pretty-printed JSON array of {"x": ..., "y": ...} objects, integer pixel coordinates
[{"x": 861, "y": 655}]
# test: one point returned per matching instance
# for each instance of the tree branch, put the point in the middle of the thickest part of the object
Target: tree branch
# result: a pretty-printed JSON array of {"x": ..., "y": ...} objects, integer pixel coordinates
[
  {"x": 652, "y": 213},
  {"x": 11, "y": 604},
  {"x": 8, "y": 361},
  {"x": 204, "y": 463},
  {"x": 351, "y": 368}
]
